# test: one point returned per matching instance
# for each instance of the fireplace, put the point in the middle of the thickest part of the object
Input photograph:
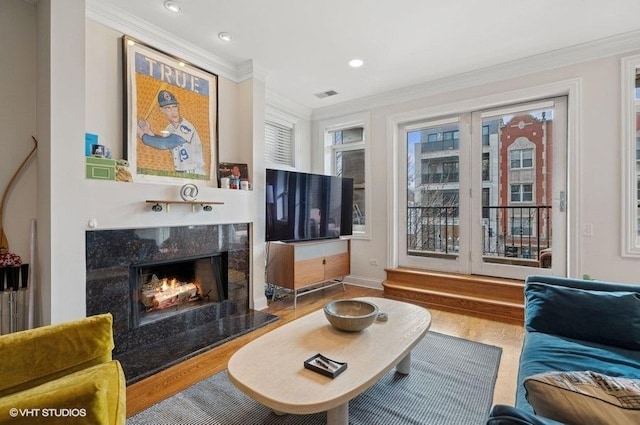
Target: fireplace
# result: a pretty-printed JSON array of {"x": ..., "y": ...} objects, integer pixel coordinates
[
  {"x": 209, "y": 267},
  {"x": 165, "y": 288}
]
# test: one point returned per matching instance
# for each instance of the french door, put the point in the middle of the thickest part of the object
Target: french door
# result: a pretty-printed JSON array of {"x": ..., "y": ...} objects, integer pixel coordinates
[{"x": 483, "y": 192}]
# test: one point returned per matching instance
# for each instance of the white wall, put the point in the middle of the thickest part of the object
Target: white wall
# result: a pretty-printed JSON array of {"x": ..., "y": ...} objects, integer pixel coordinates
[
  {"x": 79, "y": 89},
  {"x": 595, "y": 180},
  {"x": 63, "y": 264},
  {"x": 283, "y": 109},
  {"x": 18, "y": 119}
]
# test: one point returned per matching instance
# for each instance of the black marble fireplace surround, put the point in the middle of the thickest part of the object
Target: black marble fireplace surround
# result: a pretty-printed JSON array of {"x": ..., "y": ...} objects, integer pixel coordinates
[{"x": 147, "y": 349}]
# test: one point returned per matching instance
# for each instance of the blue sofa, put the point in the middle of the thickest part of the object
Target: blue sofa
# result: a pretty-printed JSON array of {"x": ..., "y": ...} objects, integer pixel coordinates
[{"x": 574, "y": 325}]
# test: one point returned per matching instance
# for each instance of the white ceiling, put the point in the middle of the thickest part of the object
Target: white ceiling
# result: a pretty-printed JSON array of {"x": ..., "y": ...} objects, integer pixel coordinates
[{"x": 304, "y": 45}]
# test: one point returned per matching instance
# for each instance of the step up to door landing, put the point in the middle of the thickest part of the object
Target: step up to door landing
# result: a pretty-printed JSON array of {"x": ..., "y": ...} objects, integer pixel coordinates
[{"x": 489, "y": 297}]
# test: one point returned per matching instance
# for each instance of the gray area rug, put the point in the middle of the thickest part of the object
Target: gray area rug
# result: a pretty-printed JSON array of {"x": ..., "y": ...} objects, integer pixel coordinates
[{"x": 451, "y": 382}]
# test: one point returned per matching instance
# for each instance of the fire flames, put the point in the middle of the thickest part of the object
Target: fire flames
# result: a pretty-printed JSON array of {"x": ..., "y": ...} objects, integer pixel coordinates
[
  {"x": 167, "y": 284},
  {"x": 167, "y": 293}
]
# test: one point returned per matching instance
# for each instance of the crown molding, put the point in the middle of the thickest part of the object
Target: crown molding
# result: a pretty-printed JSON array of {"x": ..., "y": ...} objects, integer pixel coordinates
[
  {"x": 124, "y": 22},
  {"x": 144, "y": 31},
  {"x": 533, "y": 64},
  {"x": 282, "y": 104},
  {"x": 249, "y": 69}
]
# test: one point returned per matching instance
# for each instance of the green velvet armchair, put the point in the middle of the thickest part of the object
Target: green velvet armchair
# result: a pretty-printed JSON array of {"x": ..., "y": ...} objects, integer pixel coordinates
[{"x": 62, "y": 374}]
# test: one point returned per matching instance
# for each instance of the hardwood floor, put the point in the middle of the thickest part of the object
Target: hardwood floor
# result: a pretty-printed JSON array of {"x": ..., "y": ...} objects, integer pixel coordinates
[{"x": 168, "y": 382}]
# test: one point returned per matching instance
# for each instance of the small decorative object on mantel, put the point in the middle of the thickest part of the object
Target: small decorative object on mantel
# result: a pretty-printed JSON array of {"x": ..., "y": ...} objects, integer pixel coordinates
[
  {"x": 100, "y": 168},
  {"x": 234, "y": 172},
  {"x": 99, "y": 151},
  {"x": 189, "y": 192},
  {"x": 122, "y": 171},
  {"x": 89, "y": 141}
]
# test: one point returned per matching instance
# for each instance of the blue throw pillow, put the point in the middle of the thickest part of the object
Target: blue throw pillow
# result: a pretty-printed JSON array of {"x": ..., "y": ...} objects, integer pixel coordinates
[{"x": 603, "y": 317}]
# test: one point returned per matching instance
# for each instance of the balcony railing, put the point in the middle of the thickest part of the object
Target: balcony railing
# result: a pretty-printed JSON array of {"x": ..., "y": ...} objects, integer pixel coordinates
[
  {"x": 509, "y": 232},
  {"x": 433, "y": 178},
  {"x": 432, "y": 229},
  {"x": 441, "y": 145}
]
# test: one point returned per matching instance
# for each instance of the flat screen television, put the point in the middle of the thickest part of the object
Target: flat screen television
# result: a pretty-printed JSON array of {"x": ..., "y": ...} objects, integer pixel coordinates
[{"x": 304, "y": 206}]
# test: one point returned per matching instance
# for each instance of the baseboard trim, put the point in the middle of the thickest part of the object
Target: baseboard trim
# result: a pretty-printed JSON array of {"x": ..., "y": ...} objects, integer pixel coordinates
[{"x": 363, "y": 281}]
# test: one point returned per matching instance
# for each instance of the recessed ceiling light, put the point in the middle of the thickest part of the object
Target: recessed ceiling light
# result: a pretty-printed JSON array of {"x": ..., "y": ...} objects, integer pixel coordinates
[
  {"x": 225, "y": 36},
  {"x": 173, "y": 6},
  {"x": 356, "y": 63}
]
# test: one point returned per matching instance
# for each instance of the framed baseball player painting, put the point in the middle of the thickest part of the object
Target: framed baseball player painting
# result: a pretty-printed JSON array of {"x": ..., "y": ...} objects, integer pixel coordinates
[{"x": 171, "y": 117}]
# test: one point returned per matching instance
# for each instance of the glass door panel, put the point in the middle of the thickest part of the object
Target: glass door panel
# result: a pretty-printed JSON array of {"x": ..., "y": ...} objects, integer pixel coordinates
[
  {"x": 521, "y": 155},
  {"x": 484, "y": 192},
  {"x": 433, "y": 230}
]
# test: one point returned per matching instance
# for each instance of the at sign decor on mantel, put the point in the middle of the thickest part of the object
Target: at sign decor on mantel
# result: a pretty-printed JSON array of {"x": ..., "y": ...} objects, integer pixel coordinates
[
  {"x": 189, "y": 194},
  {"x": 171, "y": 117}
]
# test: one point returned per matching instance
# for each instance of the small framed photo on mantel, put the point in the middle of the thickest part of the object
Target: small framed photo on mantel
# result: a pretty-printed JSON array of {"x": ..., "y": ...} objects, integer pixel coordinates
[{"x": 232, "y": 171}]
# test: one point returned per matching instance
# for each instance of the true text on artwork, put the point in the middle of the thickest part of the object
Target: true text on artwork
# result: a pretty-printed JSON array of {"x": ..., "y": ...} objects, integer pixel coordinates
[{"x": 166, "y": 73}]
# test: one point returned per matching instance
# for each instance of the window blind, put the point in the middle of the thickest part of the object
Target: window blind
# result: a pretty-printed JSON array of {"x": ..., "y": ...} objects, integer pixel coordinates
[{"x": 278, "y": 141}]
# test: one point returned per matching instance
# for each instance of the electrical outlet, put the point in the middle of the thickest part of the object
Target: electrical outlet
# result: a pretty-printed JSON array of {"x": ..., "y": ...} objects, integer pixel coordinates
[{"x": 373, "y": 262}]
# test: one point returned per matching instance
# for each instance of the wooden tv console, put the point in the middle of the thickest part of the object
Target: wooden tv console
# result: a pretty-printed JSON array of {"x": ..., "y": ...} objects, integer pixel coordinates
[{"x": 305, "y": 265}]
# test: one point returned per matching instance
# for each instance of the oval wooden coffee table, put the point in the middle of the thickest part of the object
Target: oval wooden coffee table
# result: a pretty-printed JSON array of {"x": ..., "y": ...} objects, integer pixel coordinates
[{"x": 270, "y": 369}]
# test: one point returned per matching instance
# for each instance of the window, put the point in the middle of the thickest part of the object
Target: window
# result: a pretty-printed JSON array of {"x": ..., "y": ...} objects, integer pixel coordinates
[
  {"x": 450, "y": 198},
  {"x": 485, "y": 135},
  {"x": 352, "y": 135},
  {"x": 440, "y": 140},
  {"x": 450, "y": 172},
  {"x": 486, "y": 166},
  {"x": 433, "y": 167},
  {"x": 346, "y": 154},
  {"x": 486, "y": 197},
  {"x": 279, "y": 140},
  {"x": 521, "y": 158},
  {"x": 451, "y": 135},
  {"x": 521, "y": 227},
  {"x": 348, "y": 160},
  {"x": 521, "y": 192},
  {"x": 630, "y": 67}
]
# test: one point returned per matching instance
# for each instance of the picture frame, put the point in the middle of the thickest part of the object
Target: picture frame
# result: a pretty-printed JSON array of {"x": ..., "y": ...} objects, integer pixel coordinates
[
  {"x": 231, "y": 169},
  {"x": 170, "y": 117}
]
